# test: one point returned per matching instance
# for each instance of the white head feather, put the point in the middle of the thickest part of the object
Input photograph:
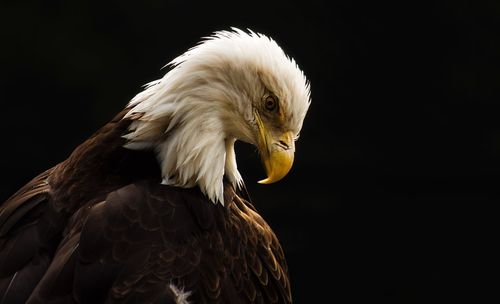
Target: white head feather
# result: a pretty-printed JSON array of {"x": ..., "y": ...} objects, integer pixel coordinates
[{"x": 193, "y": 115}]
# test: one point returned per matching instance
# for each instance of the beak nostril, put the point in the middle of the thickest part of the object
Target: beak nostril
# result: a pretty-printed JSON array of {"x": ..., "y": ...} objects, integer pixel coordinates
[{"x": 284, "y": 145}]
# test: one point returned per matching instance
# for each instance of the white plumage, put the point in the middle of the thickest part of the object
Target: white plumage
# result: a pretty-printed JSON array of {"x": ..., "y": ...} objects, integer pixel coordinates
[{"x": 193, "y": 115}]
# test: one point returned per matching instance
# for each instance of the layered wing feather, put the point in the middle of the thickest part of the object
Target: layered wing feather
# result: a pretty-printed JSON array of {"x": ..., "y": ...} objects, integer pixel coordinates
[
  {"x": 145, "y": 238},
  {"x": 26, "y": 243}
]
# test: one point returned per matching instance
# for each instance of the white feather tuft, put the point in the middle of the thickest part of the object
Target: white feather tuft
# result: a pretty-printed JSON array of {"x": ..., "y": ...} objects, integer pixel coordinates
[{"x": 181, "y": 296}]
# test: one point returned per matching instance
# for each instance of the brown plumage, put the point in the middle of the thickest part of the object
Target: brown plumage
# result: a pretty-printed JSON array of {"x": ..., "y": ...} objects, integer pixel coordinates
[{"x": 99, "y": 227}]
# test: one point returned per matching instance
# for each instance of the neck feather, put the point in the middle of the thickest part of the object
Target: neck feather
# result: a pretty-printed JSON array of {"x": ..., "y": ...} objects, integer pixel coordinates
[{"x": 188, "y": 135}]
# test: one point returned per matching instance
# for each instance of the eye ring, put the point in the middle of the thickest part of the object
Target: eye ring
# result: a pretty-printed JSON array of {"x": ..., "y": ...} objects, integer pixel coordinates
[{"x": 270, "y": 102}]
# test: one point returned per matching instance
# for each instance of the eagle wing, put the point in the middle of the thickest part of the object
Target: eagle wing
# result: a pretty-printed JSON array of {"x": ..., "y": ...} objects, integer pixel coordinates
[
  {"x": 150, "y": 243},
  {"x": 25, "y": 242},
  {"x": 142, "y": 242}
]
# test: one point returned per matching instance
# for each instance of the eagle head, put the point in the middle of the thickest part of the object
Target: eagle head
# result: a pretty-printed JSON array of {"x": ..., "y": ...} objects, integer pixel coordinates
[{"x": 234, "y": 85}]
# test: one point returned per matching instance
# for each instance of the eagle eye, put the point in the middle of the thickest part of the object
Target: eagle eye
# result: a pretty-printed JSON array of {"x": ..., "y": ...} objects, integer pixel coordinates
[{"x": 270, "y": 102}]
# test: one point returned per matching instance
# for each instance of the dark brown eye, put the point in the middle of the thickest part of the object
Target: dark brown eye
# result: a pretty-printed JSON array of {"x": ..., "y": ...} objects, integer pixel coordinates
[{"x": 270, "y": 102}]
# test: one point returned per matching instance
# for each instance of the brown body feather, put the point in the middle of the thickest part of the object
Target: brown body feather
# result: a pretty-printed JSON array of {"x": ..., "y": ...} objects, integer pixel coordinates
[{"x": 100, "y": 228}]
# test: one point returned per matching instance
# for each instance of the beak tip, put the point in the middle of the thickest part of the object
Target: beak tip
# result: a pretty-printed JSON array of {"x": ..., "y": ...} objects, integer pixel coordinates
[{"x": 264, "y": 181}]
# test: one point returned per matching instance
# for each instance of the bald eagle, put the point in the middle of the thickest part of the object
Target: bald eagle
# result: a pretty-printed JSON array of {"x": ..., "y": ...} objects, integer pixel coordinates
[{"x": 150, "y": 209}]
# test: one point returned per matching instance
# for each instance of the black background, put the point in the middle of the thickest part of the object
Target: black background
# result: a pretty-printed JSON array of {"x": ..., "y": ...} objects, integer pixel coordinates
[{"x": 397, "y": 169}]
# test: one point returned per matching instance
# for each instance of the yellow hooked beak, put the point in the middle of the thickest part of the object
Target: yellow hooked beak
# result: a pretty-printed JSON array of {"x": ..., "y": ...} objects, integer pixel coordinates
[{"x": 276, "y": 152}]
